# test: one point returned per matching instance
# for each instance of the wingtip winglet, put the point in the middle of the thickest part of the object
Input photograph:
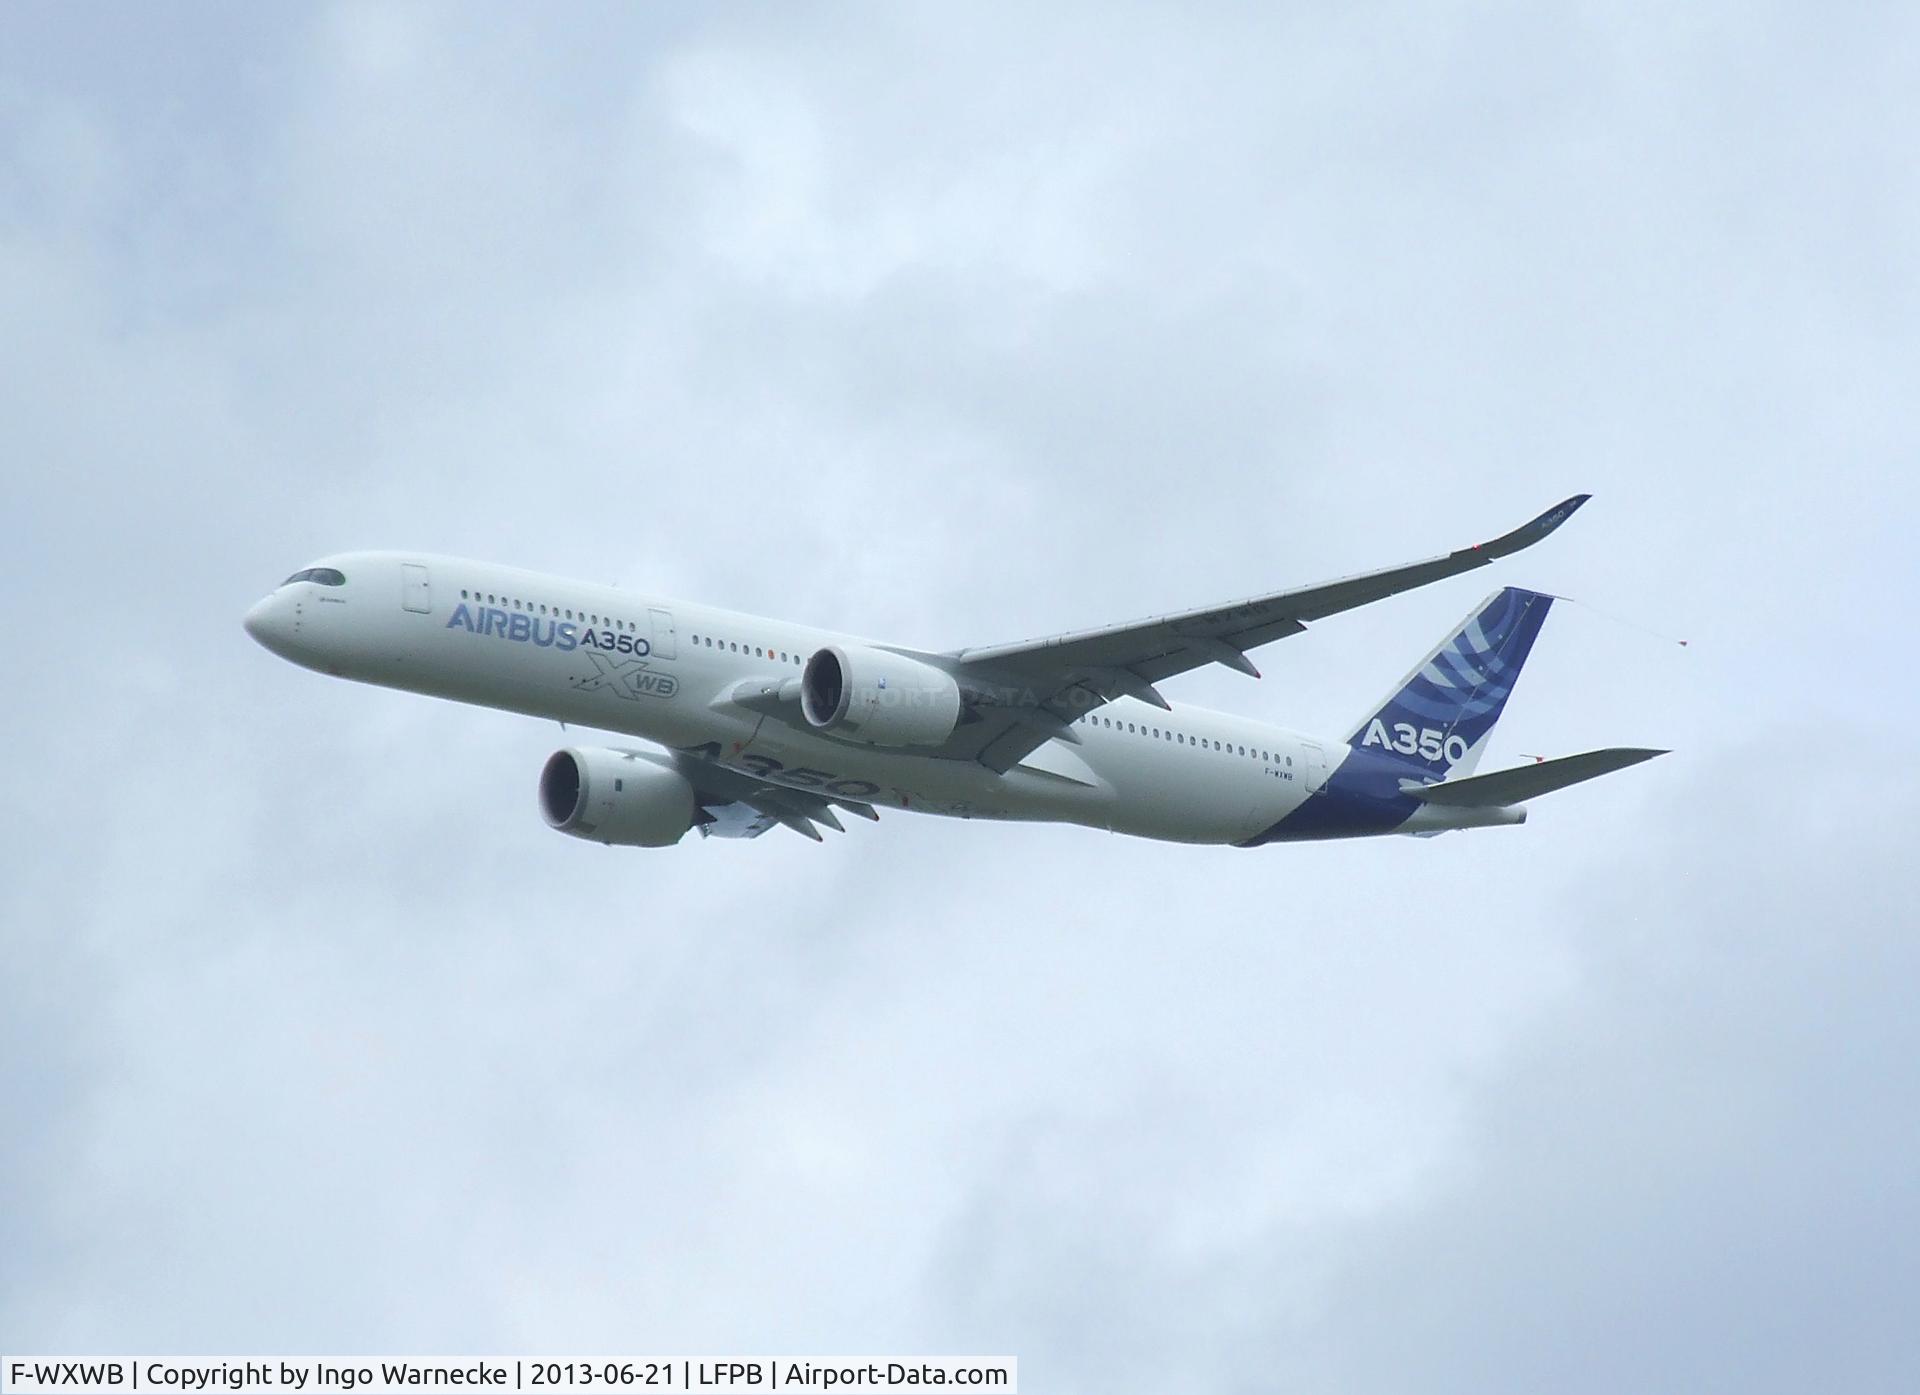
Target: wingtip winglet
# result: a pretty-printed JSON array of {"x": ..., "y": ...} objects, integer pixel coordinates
[
  {"x": 1529, "y": 533},
  {"x": 1558, "y": 514}
]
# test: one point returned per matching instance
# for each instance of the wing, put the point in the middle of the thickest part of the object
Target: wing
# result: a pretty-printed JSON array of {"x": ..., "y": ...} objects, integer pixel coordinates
[{"x": 1020, "y": 695}]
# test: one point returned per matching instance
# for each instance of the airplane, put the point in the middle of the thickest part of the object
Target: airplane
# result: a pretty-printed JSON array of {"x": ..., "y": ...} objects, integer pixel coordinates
[{"x": 756, "y": 723}]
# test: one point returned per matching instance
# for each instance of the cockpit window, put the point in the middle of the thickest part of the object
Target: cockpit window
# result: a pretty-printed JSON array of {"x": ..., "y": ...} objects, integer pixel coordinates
[{"x": 320, "y": 576}]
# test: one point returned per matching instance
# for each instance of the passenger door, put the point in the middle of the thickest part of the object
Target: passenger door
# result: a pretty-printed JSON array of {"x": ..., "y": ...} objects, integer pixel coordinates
[
  {"x": 414, "y": 592},
  {"x": 1316, "y": 759},
  {"x": 663, "y": 647}
]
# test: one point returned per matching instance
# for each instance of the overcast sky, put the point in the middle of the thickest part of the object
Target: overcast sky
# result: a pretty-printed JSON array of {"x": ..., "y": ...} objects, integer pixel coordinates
[{"x": 956, "y": 325}]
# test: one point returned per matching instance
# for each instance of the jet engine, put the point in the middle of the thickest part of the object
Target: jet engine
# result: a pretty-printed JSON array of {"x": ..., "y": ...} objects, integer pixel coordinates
[
  {"x": 879, "y": 697},
  {"x": 613, "y": 797}
]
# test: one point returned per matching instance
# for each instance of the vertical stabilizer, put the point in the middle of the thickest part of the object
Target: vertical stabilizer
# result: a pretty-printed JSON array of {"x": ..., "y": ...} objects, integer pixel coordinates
[{"x": 1440, "y": 717}]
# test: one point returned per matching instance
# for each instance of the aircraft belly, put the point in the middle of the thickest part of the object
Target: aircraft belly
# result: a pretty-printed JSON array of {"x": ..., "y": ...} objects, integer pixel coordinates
[
  {"x": 1225, "y": 812},
  {"x": 1181, "y": 798}
]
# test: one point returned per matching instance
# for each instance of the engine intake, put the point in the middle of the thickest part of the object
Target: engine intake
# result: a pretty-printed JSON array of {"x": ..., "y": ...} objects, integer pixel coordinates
[
  {"x": 615, "y": 798},
  {"x": 880, "y": 697}
]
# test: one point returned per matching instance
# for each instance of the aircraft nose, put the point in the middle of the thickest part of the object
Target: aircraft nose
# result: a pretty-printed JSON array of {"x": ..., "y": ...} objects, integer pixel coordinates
[{"x": 267, "y": 623}]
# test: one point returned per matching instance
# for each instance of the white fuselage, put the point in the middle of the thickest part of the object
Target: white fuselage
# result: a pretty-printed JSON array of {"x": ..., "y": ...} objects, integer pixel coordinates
[{"x": 671, "y": 672}]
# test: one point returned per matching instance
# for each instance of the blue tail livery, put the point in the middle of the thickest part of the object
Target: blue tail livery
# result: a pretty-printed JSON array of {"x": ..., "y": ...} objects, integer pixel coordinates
[{"x": 1440, "y": 716}]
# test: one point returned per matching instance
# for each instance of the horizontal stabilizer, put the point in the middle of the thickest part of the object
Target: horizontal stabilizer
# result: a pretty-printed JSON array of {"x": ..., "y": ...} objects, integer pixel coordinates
[{"x": 1504, "y": 787}]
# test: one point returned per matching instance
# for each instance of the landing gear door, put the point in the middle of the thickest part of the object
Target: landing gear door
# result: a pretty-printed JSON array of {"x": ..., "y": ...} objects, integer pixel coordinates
[
  {"x": 663, "y": 647},
  {"x": 414, "y": 592}
]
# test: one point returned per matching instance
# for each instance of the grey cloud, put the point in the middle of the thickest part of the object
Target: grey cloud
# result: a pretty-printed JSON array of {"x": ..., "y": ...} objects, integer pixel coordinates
[{"x": 1689, "y": 1170}]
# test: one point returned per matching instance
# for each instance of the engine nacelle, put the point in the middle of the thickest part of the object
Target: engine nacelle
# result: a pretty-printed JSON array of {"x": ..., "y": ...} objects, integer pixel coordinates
[
  {"x": 612, "y": 797},
  {"x": 880, "y": 697}
]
